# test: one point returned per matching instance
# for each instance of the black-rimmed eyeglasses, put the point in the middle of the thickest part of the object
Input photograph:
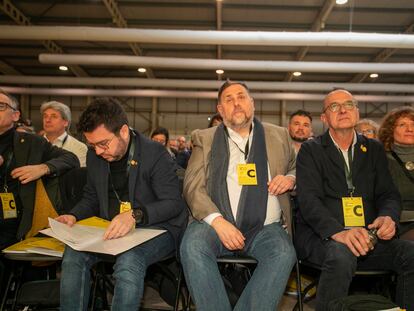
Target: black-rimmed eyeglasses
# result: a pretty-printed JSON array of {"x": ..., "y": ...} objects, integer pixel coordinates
[
  {"x": 104, "y": 145},
  {"x": 348, "y": 105},
  {"x": 4, "y": 106}
]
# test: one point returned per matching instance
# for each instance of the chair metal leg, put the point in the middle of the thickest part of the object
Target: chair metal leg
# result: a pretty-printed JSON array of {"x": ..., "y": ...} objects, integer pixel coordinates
[
  {"x": 94, "y": 290},
  {"x": 299, "y": 302},
  {"x": 188, "y": 301},
  {"x": 9, "y": 281},
  {"x": 178, "y": 294}
]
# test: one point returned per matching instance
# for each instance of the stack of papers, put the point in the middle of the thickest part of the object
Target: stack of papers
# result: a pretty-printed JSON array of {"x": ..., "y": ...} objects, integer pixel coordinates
[
  {"x": 37, "y": 245},
  {"x": 89, "y": 238}
]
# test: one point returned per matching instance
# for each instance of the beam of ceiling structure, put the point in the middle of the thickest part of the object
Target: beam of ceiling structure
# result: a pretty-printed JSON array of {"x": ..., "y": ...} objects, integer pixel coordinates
[
  {"x": 225, "y": 64},
  {"x": 212, "y": 37},
  {"x": 7, "y": 69},
  {"x": 381, "y": 57},
  {"x": 120, "y": 21},
  {"x": 318, "y": 24},
  {"x": 195, "y": 94},
  {"x": 204, "y": 84},
  {"x": 15, "y": 14}
]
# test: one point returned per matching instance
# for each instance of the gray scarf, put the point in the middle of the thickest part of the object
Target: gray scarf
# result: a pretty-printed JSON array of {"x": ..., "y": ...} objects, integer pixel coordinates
[{"x": 252, "y": 207}]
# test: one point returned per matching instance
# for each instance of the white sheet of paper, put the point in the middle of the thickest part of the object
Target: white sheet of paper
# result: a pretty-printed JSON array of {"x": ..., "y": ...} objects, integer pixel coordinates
[
  {"x": 45, "y": 251},
  {"x": 86, "y": 238}
]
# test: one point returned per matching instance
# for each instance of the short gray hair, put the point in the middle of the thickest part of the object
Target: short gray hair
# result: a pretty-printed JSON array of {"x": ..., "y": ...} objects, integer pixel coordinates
[
  {"x": 373, "y": 124},
  {"x": 62, "y": 108},
  {"x": 13, "y": 101}
]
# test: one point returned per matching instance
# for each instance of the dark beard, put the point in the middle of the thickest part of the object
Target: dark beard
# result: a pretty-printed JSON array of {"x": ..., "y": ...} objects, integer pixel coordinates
[{"x": 298, "y": 139}]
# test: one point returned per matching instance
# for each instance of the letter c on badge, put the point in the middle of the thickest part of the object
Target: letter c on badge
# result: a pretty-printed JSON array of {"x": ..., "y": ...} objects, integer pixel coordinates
[
  {"x": 357, "y": 209},
  {"x": 12, "y": 204},
  {"x": 251, "y": 173}
]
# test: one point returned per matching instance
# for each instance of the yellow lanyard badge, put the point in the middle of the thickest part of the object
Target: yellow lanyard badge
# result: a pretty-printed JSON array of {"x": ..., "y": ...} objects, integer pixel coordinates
[
  {"x": 9, "y": 205},
  {"x": 246, "y": 174},
  {"x": 353, "y": 212},
  {"x": 124, "y": 207}
]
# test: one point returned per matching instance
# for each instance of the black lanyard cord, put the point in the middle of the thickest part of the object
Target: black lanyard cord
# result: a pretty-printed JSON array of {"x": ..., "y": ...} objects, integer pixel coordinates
[
  {"x": 64, "y": 140},
  {"x": 129, "y": 161},
  {"x": 6, "y": 168},
  {"x": 348, "y": 170},
  {"x": 246, "y": 148}
]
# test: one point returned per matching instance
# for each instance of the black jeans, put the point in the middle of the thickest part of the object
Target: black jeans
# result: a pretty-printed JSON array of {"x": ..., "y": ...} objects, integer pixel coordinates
[{"x": 339, "y": 265}]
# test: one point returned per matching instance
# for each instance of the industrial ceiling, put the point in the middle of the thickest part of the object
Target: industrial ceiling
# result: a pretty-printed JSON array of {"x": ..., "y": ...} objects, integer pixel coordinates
[{"x": 24, "y": 56}]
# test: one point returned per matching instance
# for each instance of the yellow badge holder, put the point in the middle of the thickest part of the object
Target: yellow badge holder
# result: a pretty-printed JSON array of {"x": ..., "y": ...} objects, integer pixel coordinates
[
  {"x": 9, "y": 205},
  {"x": 353, "y": 212},
  {"x": 246, "y": 174}
]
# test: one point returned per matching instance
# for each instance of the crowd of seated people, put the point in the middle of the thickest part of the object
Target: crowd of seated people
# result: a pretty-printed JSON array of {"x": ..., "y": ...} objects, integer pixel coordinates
[{"x": 354, "y": 164}]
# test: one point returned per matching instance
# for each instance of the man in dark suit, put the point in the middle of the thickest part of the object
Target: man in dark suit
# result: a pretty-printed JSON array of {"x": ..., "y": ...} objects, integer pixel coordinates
[
  {"x": 132, "y": 182},
  {"x": 24, "y": 159},
  {"x": 344, "y": 189}
]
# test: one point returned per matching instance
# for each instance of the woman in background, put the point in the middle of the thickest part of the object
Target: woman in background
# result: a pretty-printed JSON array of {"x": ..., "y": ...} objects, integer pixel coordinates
[
  {"x": 368, "y": 128},
  {"x": 397, "y": 135},
  {"x": 161, "y": 135}
]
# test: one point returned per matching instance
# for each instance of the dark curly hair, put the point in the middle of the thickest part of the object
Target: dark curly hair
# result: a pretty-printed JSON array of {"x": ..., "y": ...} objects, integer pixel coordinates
[
  {"x": 102, "y": 111},
  {"x": 161, "y": 131},
  {"x": 386, "y": 130}
]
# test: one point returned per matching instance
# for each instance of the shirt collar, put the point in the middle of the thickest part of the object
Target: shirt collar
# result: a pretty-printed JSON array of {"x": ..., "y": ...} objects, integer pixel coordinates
[
  {"x": 354, "y": 140},
  {"x": 61, "y": 138},
  {"x": 236, "y": 136}
]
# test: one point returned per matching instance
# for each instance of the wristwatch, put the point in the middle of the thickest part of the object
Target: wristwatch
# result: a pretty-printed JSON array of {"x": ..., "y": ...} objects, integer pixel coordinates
[{"x": 138, "y": 215}]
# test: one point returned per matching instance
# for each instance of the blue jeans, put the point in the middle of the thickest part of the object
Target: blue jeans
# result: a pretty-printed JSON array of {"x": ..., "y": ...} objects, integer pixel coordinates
[
  {"x": 273, "y": 250},
  {"x": 129, "y": 274}
]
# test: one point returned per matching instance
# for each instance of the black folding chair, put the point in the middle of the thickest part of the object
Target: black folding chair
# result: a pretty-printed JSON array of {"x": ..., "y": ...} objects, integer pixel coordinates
[{"x": 247, "y": 262}]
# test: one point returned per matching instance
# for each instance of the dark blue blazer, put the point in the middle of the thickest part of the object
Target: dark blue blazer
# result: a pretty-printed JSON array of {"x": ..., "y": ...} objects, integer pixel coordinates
[
  {"x": 153, "y": 186},
  {"x": 321, "y": 184},
  {"x": 30, "y": 149}
]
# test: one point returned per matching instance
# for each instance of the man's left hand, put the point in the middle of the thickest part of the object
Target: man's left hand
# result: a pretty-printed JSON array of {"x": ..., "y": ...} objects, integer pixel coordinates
[
  {"x": 280, "y": 184},
  {"x": 120, "y": 226},
  {"x": 385, "y": 226},
  {"x": 29, "y": 173}
]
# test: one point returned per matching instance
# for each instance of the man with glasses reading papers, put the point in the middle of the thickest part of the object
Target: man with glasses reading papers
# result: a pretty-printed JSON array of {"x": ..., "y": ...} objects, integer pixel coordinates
[{"x": 132, "y": 182}]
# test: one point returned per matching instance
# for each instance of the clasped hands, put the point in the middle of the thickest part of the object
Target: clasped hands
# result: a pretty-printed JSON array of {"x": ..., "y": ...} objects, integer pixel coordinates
[
  {"x": 357, "y": 239},
  {"x": 229, "y": 235}
]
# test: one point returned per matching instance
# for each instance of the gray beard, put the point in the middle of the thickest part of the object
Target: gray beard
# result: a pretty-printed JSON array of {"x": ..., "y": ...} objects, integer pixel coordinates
[{"x": 237, "y": 127}]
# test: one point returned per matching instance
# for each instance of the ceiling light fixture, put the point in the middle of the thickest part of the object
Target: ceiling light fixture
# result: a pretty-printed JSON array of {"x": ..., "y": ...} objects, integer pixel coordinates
[
  {"x": 142, "y": 70},
  {"x": 373, "y": 75},
  {"x": 225, "y": 64},
  {"x": 297, "y": 73},
  {"x": 63, "y": 68},
  {"x": 341, "y": 2},
  {"x": 219, "y": 71}
]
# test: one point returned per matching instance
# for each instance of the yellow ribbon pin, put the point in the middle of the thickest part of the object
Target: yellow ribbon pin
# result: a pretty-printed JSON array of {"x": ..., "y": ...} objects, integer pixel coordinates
[{"x": 363, "y": 148}]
